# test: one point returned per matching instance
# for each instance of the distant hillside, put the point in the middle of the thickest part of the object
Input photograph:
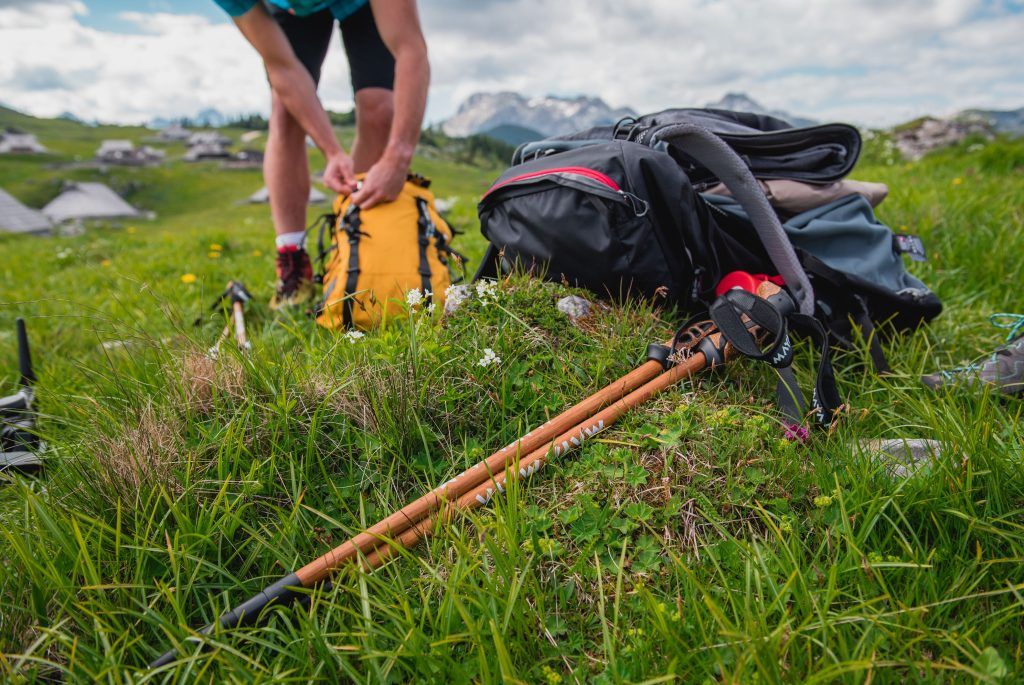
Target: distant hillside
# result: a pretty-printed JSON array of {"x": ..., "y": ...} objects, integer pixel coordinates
[
  {"x": 1010, "y": 121},
  {"x": 14, "y": 119},
  {"x": 513, "y": 135},
  {"x": 548, "y": 116}
]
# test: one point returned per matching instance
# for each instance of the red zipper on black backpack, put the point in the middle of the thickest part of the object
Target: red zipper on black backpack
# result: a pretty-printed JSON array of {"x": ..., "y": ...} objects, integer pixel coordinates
[{"x": 587, "y": 176}]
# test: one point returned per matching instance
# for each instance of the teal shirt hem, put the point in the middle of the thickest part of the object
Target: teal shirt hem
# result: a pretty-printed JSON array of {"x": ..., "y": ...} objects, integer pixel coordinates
[{"x": 340, "y": 9}]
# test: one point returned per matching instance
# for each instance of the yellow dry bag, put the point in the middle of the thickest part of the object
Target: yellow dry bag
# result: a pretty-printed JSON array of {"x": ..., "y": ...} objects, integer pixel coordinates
[{"x": 377, "y": 256}]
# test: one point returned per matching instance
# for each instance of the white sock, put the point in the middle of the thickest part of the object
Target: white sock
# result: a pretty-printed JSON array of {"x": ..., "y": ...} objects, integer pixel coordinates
[{"x": 295, "y": 239}]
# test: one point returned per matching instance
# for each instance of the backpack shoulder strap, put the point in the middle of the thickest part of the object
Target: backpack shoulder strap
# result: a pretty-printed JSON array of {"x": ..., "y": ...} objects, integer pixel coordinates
[{"x": 712, "y": 152}]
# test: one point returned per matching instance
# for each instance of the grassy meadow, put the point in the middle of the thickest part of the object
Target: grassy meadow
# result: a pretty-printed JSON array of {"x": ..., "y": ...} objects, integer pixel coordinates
[{"x": 689, "y": 543}]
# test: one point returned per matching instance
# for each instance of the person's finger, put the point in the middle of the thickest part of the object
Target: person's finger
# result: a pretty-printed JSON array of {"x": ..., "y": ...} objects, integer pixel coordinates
[
  {"x": 368, "y": 199},
  {"x": 349, "y": 176},
  {"x": 335, "y": 184},
  {"x": 358, "y": 195}
]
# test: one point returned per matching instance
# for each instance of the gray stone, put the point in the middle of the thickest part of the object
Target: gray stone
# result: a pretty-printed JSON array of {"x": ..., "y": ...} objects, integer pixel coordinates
[
  {"x": 574, "y": 307},
  {"x": 903, "y": 457}
]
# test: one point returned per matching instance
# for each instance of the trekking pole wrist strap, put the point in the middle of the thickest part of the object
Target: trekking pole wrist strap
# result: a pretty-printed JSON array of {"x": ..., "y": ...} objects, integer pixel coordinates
[{"x": 737, "y": 312}]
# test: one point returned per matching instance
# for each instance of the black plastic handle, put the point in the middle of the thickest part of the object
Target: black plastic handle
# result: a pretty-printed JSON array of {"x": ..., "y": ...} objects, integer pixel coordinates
[{"x": 28, "y": 375}]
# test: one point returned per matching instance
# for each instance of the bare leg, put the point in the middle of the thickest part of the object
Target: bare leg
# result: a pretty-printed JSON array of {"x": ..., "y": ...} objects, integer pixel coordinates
[
  {"x": 375, "y": 108},
  {"x": 286, "y": 170}
]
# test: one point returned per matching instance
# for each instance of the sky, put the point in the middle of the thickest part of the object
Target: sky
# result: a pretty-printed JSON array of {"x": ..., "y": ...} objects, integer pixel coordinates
[{"x": 871, "y": 62}]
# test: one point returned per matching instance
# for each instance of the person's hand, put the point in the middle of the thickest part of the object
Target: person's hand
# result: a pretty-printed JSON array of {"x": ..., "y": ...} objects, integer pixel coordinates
[
  {"x": 338, "y": 175},
  {"x": 383, "y": 183}
]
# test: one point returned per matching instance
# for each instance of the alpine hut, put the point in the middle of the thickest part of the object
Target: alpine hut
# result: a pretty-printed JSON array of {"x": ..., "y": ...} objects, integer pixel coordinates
[
  {"x": 87, "y": 201},
  {"x": 20, "y": 144},
  {"x": 316, "y": 196},
  {"x": 17, "y": 218}
]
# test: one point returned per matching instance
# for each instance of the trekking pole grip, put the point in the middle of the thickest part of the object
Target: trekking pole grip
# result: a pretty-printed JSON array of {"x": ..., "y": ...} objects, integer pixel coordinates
[
  {"x": 283, "y": 591},
  {"x": 28, "y": 375}
]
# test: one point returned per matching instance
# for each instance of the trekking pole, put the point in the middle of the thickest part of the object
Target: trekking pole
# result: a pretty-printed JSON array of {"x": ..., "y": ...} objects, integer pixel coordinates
[
  {"x": 398, "y": 522},
  {"x": 19, "y": 446},
  {"x": 702, "y": 348},
  {"x": 238, "y": 295},
  {"x": 239, "y": 315},
  {"x": 21, "y": 401}
]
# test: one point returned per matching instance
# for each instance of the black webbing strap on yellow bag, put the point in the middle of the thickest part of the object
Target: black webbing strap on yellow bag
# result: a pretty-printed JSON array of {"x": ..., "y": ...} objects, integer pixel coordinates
[
  {"x": 350, "y": 224},
  {"x": 427, "y": 230}
]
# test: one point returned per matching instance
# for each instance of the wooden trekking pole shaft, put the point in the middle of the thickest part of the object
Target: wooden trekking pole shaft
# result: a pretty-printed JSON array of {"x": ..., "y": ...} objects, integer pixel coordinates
[
  {"x": 238, "y": 314},
  {"x": 542, "y": 436},
  {"x": 223, "y": 334},
  {"x": 535, "y": 460}
]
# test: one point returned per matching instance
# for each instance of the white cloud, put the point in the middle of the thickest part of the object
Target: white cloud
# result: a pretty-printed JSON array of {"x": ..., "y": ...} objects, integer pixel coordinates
[
  {"x": 173, "y": 65},
  {"x": 872, "y": 61},
  {"x": 869, "y": 60}
]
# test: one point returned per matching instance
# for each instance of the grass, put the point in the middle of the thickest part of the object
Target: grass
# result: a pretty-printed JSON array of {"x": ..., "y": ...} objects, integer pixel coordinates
[{"x": 689, "y": 542}]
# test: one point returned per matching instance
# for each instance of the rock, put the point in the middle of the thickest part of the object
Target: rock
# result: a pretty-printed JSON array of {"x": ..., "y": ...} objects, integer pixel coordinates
[
  {"x": 445, "y": 204},
  {"x": 930, "y": 134},
  {"x": 901, "y": 457},
  {"x": 574, "y": 307}
]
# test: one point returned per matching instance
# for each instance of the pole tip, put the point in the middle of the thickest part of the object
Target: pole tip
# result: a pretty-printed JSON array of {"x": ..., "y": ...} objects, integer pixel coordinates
[{"x": 165, "y": 658}]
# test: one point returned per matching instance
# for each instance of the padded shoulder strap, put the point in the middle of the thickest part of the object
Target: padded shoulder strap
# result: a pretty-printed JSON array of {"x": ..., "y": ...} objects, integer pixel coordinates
[{"x": 711, "y": 151}]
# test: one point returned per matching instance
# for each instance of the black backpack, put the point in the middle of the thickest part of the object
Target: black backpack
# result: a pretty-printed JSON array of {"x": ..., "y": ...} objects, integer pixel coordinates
[{"x": 617, "y": 210}]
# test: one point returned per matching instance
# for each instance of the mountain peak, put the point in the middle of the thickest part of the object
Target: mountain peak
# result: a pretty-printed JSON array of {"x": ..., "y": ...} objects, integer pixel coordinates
[
  {"x": 548, "y": 115},
  {"x": 741, "y": 102}
]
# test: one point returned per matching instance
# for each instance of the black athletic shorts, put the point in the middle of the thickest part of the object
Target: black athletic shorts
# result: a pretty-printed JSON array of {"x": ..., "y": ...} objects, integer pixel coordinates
[{"x": 370, "y": 62}]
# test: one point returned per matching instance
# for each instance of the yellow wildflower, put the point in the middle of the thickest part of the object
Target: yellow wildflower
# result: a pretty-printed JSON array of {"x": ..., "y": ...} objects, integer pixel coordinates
[
  {"x": 213, "y": 255},
  {"x": 105, "y": 262},
  {"x": 216, "y": 247},
  {"x": 131, "y": 230},
  {"x": 188, "y": 278}
]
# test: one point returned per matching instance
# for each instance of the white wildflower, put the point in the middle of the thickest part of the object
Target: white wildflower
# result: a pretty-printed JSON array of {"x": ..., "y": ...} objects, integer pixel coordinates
[
  {"x": 489, "y": 358},
  {"x": 454, "y": 296},
  {"x": 487, "y": 291},
  {"x": 414, "y": 297},
  {"x": 431, "y": 307},
  {"x": 354, "y": 336}
]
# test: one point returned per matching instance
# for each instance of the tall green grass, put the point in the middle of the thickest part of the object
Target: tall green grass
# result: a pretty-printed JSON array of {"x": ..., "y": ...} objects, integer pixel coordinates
[{"x": 690, "y": 542}]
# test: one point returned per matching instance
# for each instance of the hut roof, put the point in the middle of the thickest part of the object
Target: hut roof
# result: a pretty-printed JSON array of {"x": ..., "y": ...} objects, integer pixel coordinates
[
  {"x": 19, "y": 143},
  {"x": 88, "y": 201},
  {"x": 17, "y": 218},
  {"x": 316, "y": 196}
]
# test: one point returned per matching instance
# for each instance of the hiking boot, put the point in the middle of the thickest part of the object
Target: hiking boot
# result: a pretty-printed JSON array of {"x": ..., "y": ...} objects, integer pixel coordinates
[
  {"x": 1002, "y": 370},
  {"x": 19, "y": 447},
  {"x": 18, "y": 436},
  {"x": 20, "y": 460},
  {"x": 294, "y": 279}
]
